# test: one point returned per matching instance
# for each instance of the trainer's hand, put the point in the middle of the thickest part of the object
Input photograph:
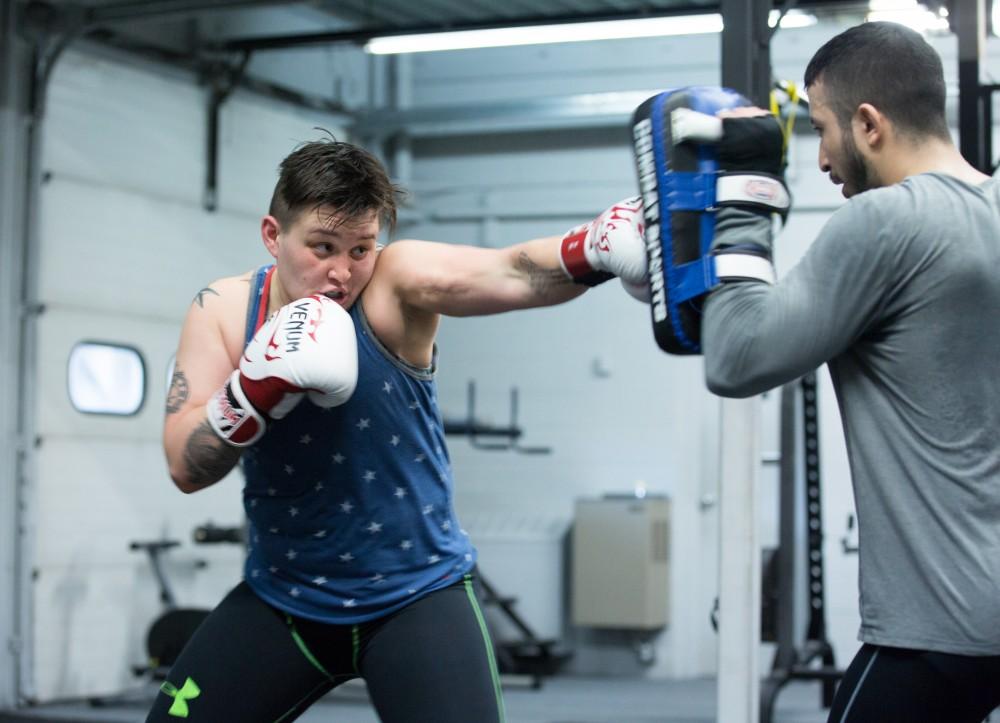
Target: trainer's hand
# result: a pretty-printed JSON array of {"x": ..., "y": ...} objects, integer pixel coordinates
[
  {"x": 751, "y": 141},
  {"x": 308, "y": 346},
  {"x": 743, "y": 111},
  {"x": 751, "y": 187},
  {"x": 610, "y": 245}
]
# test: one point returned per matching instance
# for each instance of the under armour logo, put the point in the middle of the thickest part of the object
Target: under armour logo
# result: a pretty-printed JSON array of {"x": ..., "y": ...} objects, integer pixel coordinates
[{"x": 189, "y": 691}]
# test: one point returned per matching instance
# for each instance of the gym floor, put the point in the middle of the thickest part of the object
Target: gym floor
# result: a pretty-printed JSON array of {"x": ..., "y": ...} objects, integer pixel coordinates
[{"x": 560, "y": 700}]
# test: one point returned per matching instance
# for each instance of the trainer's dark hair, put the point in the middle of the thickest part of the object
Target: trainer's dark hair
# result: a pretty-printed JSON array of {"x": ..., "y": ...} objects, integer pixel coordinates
[
  {"x": 889, "y": 66},
  {"x": 332, "y": 173}
]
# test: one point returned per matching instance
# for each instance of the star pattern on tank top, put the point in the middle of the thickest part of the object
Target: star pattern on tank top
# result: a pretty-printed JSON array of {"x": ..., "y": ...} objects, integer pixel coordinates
[{"x": 370, "y": 550}]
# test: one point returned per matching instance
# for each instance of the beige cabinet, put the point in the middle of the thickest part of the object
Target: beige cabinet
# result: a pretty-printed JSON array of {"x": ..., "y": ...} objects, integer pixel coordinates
[{"x": 621, "y": 563}]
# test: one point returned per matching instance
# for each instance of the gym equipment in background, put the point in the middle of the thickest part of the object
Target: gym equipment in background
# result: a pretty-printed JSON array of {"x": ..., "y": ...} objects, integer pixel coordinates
[
  {"x": 473, "y": 429},
  {"x": 174, "y": 626},
  {"x": 793, "y": 606}
]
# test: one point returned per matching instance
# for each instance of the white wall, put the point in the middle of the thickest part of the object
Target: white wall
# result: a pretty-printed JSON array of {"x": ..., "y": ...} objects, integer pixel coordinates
[{"x": 124, "y": 246}]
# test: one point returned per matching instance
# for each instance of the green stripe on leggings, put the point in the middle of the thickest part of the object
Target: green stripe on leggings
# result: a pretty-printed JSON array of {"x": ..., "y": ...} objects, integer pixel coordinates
[
  {"x": 489, "y": 646},
  {"x": 355, "y": 647},
  {"x": 304, "y": 648}
]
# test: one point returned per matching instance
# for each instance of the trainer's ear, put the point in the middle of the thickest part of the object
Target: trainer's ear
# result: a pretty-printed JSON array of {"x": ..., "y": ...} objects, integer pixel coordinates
[
  {"x": 270, "y": 231},
  {"x": 871, "y": 124}
]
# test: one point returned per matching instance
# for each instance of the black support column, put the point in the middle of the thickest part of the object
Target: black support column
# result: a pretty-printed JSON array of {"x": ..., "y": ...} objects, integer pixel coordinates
[
  {"x": 746, "y": 57},
  {"x": 968, "y": 21}
]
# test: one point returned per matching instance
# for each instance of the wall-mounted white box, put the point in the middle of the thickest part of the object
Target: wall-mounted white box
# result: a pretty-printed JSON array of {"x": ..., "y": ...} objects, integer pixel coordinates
[{"x": 621, "y": 563}]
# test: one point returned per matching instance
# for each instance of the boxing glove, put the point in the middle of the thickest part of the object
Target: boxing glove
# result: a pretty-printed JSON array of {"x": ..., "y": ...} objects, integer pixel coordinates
[
  {"x": 307, "y": 347},
  {"x": 610, "y": 245},
  {"x": 751, "y": 188}
]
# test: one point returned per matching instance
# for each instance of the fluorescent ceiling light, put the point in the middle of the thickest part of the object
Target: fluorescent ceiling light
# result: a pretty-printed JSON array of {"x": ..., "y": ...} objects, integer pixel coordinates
[
  {"x": 909, "y": 13},
  {"x": 539, "y": 34},
  {"x": 793, "y": 19}
]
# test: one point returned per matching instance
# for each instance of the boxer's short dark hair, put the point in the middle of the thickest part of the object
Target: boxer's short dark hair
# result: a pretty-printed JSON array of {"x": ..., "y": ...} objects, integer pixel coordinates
[
  {"x": 889, "y": 66},
  {"x": 340, "y": 175}
]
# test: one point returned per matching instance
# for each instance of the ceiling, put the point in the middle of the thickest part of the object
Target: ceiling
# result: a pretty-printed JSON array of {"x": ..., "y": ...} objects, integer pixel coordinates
[
  {"x": 213, "y": 36},
  {"x": 254, "y": 24}
]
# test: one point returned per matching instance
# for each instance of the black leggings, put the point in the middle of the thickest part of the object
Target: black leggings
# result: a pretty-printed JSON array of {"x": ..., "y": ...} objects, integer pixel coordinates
[
  {"x": 895, "y": 685},
  {"x": 248, "y": 662}
]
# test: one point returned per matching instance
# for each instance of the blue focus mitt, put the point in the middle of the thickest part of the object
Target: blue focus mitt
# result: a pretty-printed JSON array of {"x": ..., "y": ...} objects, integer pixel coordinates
[{"x": 700, "y": 173}]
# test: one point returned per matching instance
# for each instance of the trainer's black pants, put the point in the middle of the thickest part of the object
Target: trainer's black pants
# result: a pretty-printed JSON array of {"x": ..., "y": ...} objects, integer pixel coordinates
[
  {"x": 250, "y": 663},
  {"x": 895, "y": 685}
]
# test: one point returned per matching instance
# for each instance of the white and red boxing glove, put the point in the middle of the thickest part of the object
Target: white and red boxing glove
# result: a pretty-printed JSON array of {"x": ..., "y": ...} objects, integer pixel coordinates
[
  {"x": 307, "y": 347},
  {"x": 610, "y": 245}
]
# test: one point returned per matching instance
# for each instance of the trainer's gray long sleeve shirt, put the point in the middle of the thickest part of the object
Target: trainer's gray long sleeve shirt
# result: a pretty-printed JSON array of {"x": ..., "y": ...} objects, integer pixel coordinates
[{"x": 900, "y": 295}]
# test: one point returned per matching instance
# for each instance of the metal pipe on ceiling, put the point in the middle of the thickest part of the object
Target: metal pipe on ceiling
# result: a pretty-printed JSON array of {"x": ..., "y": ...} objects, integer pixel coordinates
[
  {"x": 381, "y": 28},
  {"x": 147, "y": 9}
]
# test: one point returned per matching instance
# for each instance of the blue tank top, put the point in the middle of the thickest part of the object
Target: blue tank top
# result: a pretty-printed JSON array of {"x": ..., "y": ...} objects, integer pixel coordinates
[{"x": 350, "y": 509}]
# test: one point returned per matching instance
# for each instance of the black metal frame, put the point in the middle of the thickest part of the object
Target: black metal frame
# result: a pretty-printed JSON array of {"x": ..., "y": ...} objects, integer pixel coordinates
[
  {"x": 800, "y": 501},
  {"x": 968, "y": 19},
  {"x": 474, "y": 430},
  {"x": 529, "y": 655}
]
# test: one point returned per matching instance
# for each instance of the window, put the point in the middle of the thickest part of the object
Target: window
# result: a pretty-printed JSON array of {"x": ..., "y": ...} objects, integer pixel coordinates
[{"x": 106, "y": 378}]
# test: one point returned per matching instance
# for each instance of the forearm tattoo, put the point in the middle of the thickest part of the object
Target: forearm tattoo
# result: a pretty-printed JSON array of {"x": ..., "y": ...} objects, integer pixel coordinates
[
  {"x": 199, "y": 298},
  {"x": 542, "y": 281},
  {"x": 207, "y": 457},
  {"x": 178, "y": 392}
]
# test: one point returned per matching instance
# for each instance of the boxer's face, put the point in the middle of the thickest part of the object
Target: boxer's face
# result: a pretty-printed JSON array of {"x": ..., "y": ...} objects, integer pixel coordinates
[
  {"x": 838, "y": 151},
  {"x": 320, "y": 253}
]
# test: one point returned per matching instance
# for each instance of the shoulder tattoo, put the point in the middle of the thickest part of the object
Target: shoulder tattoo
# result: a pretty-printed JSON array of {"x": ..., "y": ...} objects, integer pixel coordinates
[{"x": 199, "y": 298}]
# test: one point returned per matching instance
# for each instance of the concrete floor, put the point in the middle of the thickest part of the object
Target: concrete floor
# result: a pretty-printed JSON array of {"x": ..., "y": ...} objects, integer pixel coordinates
[{"x": 560, "y": 700}]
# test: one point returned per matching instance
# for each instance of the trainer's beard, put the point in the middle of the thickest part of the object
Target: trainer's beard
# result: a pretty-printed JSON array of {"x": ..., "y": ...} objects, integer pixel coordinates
[{"x": 858, "y": 174}]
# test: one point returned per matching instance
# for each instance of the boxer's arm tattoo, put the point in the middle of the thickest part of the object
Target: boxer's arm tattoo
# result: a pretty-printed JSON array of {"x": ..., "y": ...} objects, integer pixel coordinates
[
  {"x": 178, "y": 392},
  {"x": 207, "y": 457},
  {"x": 541, "y": 280},
  {"x": 199, "y": 298}
]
